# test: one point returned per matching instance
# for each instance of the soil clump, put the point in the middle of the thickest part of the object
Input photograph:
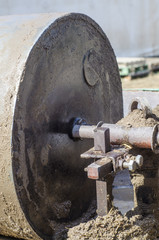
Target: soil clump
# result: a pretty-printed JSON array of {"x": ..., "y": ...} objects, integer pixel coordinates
[{"x": 114, "y": 226}]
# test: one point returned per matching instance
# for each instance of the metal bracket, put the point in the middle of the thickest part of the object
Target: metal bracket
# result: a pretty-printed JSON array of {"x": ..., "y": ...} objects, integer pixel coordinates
[
  {"x": 108, "y": 160},
  {"x": 102, "y": 139},
  {"x": 102, "y": 203},
  {"x": 100, "y": 169},
  {"x": 106, "y": 164}
]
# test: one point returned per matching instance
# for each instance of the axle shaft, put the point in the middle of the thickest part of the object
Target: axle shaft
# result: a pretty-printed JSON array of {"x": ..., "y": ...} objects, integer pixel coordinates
[{"x": 142, "y": 137}]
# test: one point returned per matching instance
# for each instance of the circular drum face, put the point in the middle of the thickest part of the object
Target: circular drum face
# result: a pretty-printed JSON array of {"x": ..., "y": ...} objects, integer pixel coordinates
[{"x": 71, "y": 72}]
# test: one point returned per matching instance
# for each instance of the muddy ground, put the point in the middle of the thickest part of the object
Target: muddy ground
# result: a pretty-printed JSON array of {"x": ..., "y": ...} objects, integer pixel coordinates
[
  {"x": 116, "y": 226},
  {"x": 141, "y": 222}
]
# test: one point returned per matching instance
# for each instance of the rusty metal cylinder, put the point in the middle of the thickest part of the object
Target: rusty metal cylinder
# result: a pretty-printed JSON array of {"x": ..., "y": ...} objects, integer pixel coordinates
[
  {"x": 53, "y": 67},
  {"x": 142, "y": 137}
]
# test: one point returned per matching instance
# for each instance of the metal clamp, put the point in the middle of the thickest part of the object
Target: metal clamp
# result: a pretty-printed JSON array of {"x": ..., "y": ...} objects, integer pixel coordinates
[{"x": 102, "y": 139}]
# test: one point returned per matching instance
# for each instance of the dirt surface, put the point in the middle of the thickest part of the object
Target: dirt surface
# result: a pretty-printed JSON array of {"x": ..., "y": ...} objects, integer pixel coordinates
[
  {"x": 115, "y": 226},
  {"x": 137, "y": 119},
  {"x": 151, "y": 81}
]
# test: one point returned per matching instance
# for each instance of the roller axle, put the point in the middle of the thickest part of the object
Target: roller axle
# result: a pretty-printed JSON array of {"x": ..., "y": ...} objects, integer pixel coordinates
[{"x": 142, "y": 137}]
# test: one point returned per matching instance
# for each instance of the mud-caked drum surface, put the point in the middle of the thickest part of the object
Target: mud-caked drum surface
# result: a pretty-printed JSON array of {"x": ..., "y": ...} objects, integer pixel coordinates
[{"x": 71, "y": 72}]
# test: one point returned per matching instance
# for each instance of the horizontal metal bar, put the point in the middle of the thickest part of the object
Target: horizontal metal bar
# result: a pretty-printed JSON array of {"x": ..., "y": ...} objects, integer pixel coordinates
[
  {"x": 139, "y": 137},
  {"x": 142, "y": 137},
  {"x": 99, "y": 169}
]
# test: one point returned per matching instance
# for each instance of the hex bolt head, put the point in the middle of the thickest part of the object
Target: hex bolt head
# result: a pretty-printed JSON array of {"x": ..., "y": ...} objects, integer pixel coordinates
[
  {"x": 132, "y": 166},
  {"x": 139, "y": 160}
]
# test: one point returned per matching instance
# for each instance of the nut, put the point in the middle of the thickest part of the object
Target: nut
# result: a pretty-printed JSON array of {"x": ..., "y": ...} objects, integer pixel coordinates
[
  {"x": 131, "y": 165},
  {"x": 139, "y": 160}
]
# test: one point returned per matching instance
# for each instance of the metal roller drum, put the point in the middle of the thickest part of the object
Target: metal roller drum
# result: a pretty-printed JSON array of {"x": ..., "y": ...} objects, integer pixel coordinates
[{"x": 53, "y": 68}]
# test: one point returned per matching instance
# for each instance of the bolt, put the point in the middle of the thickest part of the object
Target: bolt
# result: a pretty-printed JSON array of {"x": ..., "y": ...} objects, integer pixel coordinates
[
  {"x": 131, "y": 165},
  {"x": 139, "y": 160}
]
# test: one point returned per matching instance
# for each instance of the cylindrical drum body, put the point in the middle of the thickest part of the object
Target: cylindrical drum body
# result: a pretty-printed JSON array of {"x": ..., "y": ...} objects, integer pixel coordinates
[{"x": 53, "y": 68}]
